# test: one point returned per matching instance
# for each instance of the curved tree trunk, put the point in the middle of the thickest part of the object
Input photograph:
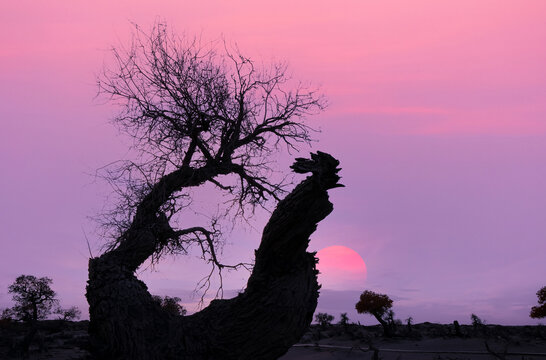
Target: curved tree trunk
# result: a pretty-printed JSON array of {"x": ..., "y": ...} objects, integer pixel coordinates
[
  {"x": 388, "y": 330},
  {"x": 260, "y": 323}
]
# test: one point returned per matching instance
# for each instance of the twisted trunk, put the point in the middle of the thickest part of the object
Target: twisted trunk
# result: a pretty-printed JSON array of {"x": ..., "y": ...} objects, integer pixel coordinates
[{"x": 260, "y": 323}]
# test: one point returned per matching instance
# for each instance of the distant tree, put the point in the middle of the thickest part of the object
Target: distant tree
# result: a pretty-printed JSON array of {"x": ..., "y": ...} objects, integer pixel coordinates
[
  {"x": 344, "y": 319},
  {"x": 68, "y": 314},
  {"x": 378, "y": 305},
  {"x": 34, "y": 300},
  {"x": 170, "y": 304},
  {"x": 324, "y": 319},
  {"x": 476, "y": 321},
  {"x": 457, "y": 327},
  {"x": 33, "y": 297},
  {"x": 478, "y": 324},
  {"x": 539, "y": 311},
  {"x": 409, "y": 323}
]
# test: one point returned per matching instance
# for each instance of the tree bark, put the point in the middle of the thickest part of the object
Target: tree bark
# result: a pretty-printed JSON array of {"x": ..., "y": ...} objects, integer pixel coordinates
[
  {"x": 263, "y": 322},
  {"x": 388, "y": 329}
]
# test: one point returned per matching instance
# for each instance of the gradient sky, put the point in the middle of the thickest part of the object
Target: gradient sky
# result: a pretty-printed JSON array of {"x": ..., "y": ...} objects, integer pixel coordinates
[{"x": 437, "y": 114}]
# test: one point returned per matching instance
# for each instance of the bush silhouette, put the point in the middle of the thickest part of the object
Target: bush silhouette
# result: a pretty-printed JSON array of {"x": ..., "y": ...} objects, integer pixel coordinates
[
  {"x": 70, "y": 314},
  {"x": 324, "y": 319},
  {"x": 344, "y": 320},
  {"x": 170, "y": 304},
  {"x": 476, "y": 321},
  {"x": 539, "y": 311}
]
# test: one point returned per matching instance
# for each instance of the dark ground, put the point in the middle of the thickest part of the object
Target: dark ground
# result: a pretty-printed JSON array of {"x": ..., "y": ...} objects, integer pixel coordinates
[
  {"x": 65, "y": 340},
  {"x": 424, "y": 341}
]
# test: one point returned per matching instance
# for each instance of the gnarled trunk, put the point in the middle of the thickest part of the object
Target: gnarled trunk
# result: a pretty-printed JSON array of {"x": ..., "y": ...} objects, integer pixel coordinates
[{"x": 260, "y": 323}]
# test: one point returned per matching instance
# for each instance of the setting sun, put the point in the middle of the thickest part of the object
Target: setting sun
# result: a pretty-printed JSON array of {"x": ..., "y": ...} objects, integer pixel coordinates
[{"x": 341, "y": 268}]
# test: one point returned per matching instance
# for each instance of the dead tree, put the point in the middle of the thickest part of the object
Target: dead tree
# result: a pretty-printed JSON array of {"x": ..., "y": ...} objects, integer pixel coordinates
[{"x": 197, "y": 118}]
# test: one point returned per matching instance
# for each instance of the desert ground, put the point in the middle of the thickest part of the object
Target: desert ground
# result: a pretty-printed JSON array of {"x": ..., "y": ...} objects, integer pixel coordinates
[
  {"x": 68, "y": 340},
  {"x": 421, "y": 342}
]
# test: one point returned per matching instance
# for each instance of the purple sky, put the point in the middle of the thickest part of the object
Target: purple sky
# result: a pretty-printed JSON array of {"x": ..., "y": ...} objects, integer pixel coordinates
[{"x": 437, "y": 113}]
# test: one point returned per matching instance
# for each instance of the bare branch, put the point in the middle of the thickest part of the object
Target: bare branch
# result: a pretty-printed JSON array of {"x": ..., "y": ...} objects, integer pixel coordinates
[{"x": 194, "y": 113}]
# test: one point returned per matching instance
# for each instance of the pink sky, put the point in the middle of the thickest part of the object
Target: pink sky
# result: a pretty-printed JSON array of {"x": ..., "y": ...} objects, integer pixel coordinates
[{"x": 437, "y": 114}]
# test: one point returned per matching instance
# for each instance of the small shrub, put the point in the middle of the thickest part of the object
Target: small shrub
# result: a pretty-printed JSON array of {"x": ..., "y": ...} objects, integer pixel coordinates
[
  {"x": 476, "y": 321},
  {"x": 324, "y": 319},
  {"x": 344, "y": 320},
  {"x": 70, "y": 314},
  {"x": 457, "y": 328},
  {"x": 409, "y": 323},
  {"x": 5, "y": 318},
  {"x": 478, "y": 325},
  {"x": 539, "y": 311},
  {"x": 170, "y": 304},
  {"x": 6, "y": 315}
]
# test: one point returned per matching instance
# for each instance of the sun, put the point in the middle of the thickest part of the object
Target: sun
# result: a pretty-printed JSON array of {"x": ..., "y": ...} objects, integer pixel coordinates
[{"x": 341, "y": 268}]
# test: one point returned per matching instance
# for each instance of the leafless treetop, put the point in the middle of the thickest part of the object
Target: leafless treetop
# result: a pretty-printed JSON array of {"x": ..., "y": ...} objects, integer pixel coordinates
[{"x": 201, "y": 114}]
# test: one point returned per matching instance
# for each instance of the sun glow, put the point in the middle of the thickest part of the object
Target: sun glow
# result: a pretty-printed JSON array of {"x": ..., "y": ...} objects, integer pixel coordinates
[{"x": 341, "y": 268}]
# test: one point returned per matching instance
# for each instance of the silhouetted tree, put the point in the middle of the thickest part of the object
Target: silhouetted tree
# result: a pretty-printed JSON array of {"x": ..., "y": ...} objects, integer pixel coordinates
[
  {"x": 457, "y": 328},
  {"x": 478, "y": 325},
  {"x": 476, "y": 321},
  {"x": 170, "y": 304},
  {"x": 343, "y": 319},
  {"x": 196, "y": 118},
  {"x": 409, "y": 323},
  {"x": 378, "y": 305},
  {"x": 68, "y": 314},
  {"x": 539, "y": 311},
  {"x": 324, "y": 320},
  {"x": 33, "y": 297},
  {"x": 34, "y": 300}
]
